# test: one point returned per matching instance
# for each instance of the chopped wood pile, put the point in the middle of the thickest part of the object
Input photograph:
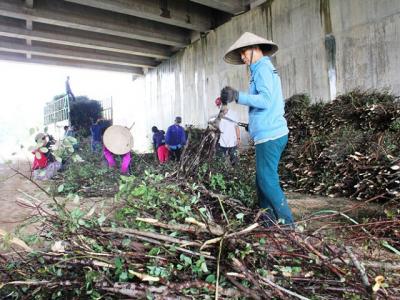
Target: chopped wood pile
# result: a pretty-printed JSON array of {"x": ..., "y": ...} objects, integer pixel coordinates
[{"x": 348, "y": 147}]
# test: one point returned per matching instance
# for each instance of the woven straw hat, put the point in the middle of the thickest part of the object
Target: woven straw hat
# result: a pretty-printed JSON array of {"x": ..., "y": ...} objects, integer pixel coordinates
[
  {"x": 118, "y": 139},
  {"x": 39, "y": 137},
  {"x": 232, "y": 56}
]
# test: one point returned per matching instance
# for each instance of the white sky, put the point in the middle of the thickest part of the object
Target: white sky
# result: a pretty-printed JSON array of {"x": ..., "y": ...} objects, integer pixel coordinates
[{"x": 25, "y": 88}]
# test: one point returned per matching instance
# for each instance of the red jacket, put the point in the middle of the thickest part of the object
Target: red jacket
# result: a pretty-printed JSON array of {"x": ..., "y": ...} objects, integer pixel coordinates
[{"x": 39, "y": 163}]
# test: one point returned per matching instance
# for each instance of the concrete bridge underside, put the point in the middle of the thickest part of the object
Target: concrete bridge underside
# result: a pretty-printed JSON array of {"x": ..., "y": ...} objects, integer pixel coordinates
[{"x": 116, "y": 35}]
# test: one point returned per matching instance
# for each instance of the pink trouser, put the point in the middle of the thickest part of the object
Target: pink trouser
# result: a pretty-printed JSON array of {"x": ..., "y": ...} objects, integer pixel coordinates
[
  {"x": 162, "y": 153},
  {"x": 126, "y": 159}
]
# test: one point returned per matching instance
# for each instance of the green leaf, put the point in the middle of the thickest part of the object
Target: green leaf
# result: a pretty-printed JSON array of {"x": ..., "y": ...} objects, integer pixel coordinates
[
  {"x": 60, "y": 188},
  {"x": 204, "y": 267},
  {"x": 101, "y": 219},
  {"x": 123, "y": 276},
  {"x": 126, "y": 242},
  {"x": 240, "y": 216},
  {"x": 44, "y": 149},
  {"x": 118, "y": 263},
  {"x": 154, "y": 251},
  {"x": 76, "y": 199},
  {"x": 186, "y": 259},
  {"x": 211, "y": 278}
]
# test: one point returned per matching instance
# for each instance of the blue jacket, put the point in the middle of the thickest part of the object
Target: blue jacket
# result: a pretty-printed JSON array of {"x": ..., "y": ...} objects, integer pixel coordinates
[
  {"x": 158, "y": 139},
  {"x": 96, "y": 131},
  {"x": 175, "y": 136},
  {"x": 265, "y": 101}
]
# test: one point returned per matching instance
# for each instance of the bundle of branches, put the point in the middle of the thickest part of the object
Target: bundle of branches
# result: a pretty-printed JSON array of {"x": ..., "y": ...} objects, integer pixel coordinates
[
  {"x": 172, "y": 240},
  {"x": 83, "y": 112},
  {"x": 348, "y": 147},
  {"x": 199, "y": 151}
]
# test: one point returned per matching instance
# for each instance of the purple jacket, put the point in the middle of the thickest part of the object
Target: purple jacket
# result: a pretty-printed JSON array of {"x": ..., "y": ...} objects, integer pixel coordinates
[
  {"x": 158, "y": 139},
  {"x": 175, "y": 135}
]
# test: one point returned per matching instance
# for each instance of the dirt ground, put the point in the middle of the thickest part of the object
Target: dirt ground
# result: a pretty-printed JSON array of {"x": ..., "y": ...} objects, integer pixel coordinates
[{"x": 14, "y": 187}]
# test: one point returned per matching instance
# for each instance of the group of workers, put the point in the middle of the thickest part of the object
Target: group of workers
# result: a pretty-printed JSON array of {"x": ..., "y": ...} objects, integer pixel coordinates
[
  {"x": 169, "y": 144},
  {"x": 267, "y": 125}
]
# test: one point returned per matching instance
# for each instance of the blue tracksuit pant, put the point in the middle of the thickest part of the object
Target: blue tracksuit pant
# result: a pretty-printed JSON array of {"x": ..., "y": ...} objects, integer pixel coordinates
[{"x": 269, "y": 191}]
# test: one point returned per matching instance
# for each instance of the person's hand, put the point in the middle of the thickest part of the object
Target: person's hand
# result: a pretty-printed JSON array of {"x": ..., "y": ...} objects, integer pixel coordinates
[
  {"x": 228, "y": 95},
  {"x": 238, "y": 142},
  {"x": 244, "y": 125}
]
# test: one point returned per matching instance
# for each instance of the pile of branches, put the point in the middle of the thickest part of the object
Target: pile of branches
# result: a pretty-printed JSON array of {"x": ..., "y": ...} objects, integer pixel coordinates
[
  {"x": 200, "y": 149},
  {"x": 170, "y": 239},
  {"x": 348, "y": 147}
]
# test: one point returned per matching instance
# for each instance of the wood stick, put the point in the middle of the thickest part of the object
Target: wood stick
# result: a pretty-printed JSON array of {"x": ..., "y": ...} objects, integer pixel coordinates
[
  {"x": 273, "y": 284},
  {"x": 359, "y": 267},
  {"x": 153, "y": 235},
  {"x": 201, "y": 227}
]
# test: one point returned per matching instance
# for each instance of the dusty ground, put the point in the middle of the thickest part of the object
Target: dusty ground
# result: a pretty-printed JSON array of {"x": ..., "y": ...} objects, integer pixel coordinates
[
  {"x": 15, "y": 190},
  {"x": 12, "y": 187},
  {"x": 13, "y": 212}
]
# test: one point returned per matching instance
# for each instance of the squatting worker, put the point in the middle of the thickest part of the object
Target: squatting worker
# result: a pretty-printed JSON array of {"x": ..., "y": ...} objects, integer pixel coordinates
[{"x": 267, "y": 124}]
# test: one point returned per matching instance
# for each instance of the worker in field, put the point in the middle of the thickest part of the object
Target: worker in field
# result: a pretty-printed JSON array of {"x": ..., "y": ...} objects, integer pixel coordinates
[
  {"x": 175, "y": 139},
  {"x": 68, "y": 90},
  {"x": 45, "y": 165},
  {"x": 267, "y": 124},
  {"x": 160, "y": 150},
  {"x": 229, "y": 139},
  {"x": 118, "y": 142},
  {"x": 96, "y": 131}
]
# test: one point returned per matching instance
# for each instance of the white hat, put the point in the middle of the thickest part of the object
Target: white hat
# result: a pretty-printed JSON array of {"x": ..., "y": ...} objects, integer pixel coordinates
[
  {"x": 118, "y": 139},
  {"x": 232, "y": 56}
]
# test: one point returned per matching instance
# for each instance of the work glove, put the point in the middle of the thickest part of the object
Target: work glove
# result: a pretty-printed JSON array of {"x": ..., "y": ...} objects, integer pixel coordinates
[{"x": 228, "y": 95}]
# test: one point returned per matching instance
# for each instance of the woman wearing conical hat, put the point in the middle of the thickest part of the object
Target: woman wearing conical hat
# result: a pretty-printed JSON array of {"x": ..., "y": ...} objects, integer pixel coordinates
[{"x": 267, "y": 124}]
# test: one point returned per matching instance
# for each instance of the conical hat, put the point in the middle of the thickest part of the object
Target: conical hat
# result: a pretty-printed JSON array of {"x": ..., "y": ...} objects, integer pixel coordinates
[
  {"x": 39, "y": 137},
  {"x": 232, "y": 56},
  {"x": 118, "y": 139}
]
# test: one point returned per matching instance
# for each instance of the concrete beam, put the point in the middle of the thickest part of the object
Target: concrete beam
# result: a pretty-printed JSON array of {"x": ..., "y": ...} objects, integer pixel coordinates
[
  {"x": 29, "y": 3},
  {"x": 78, "y": 55},
  {"x": 58, "y": 13},
  {"x": 230, "y": 6},
  {"x": 89, "y": 41},
  {"x": 29, "y": 27},
  {"x": 69, "y": 63},
  {"x": 173, "y": 12}
]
